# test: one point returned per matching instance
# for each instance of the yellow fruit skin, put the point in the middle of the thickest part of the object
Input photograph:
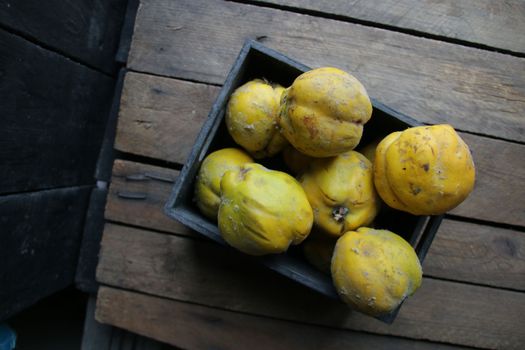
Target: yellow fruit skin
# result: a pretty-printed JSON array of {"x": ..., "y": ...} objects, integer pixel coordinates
[
  {"x": 374, "y": 270},
  {"x": 295, "y": 160},
  {"x": 251, "y": 118},
  {"x": 426, "y": 170},
  {"x": 208, "y": 182},
  {"x": 381, "y": 185},
  {"x": 263, "y": 211},
  {"x": 323, "y": 112},
  {"x": 341, "y": 192}
]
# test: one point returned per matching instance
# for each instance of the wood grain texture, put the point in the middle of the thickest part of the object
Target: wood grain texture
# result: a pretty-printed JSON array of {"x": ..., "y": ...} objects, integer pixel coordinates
[
  {"x": 165, "y": 125},
  {"x": 40, "y": 239},
  {"x": 432, "y": 81},
  {"x": 204, "y": 273},
  {"x": 54, "y": 113},
  {"x": 137, "y": 178},
  {"x": 479, "y": 254},
  {"x": 98, "y": 336},
  {"x": 159, "y": 120},
  {"x": 87, "y": 30},
  {"x": 487, "y": 22},
  {"x": 499, "y": 169},
  {"x": 200, "y": 327}
]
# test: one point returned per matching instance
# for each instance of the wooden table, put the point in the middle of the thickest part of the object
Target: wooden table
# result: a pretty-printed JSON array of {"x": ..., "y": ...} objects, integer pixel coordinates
[{"x": 440, "y": 62}]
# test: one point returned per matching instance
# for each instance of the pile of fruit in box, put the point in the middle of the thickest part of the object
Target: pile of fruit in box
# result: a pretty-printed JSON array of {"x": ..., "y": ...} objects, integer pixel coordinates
[{"x": 332, "y": 193}]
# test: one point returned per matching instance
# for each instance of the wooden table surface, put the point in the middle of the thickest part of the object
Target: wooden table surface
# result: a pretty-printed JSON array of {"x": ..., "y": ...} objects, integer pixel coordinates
[{"x": 455, "y": 62}]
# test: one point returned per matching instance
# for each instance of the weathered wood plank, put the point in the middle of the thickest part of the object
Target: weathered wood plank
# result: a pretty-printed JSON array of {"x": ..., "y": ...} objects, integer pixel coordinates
[
  {"x": 479, "y": 254},
  {"x": 461, "y": 251},
  {"x": 98, "y": 336},
  {"x": 160, "y": 118},
  {"x": 200, "y": 327},
  {"x": 154, "y": 183},
  {"x": 486, "y": 22},
  {"x": 54, "y": 112},
  {"x": 433, "y": 81},
  {"x": 87, "y": 30},
  {"x": 185, "y": 269},
  {"x": 40, "y": 238},
  {"x": 499, "y": 167}
]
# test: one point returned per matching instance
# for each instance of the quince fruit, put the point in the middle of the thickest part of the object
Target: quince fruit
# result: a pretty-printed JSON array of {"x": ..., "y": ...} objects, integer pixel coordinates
[
  {"x": 208, "y": 182},
  {"x": 374, "y": 270},
  {"x": 251, "y": 118},
  {"x": 323, "y": 112},
  {"x": 341, "y": 192},
  {"x": 424, "y": 170},
  {"x": 263, "y": 211}
]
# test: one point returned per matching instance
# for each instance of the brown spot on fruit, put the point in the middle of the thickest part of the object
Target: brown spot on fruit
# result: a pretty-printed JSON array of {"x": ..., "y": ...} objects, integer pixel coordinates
[
  {"x": 414, "y": 189},
  {"x": 243, "y": 172},
  {"x": 311, "y": 126}
]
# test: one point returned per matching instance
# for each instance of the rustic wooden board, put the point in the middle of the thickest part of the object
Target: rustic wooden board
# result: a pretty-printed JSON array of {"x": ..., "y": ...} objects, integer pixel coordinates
[
  {"x": 433, "y": 81},
  {"x": 487, "y": 22},
  {"x": 201, "y": 272},
  {"x": 160, "y": 118},
  {"x": 200, "y": 327},
  {"x": 461, "y": 251},
  {"x": 480, "y": 254},
  {"x": 54, "y": 112},
  {"x": 137, "y": 196},
  {"x": 98, "y": 336},
  {"x": 499, "y": 168},
  {"x": 40, "y": 238},
  {"x": 86, "y": 30}
]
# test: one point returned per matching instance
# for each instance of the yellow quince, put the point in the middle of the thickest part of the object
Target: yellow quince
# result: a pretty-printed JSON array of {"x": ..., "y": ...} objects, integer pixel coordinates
[
  {"x": 425, "y": 170},
  {"x": 263, "y": 211},
  {"x": 374, "y": 270},
  {"x": 208, "y": 182},
  {"x": 323, "y": 112},
  {"x": 341, "y": 192},
  {"x": 251, "y": 118}
]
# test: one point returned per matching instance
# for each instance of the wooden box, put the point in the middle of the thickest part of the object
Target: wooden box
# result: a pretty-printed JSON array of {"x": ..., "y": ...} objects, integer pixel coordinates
[{"x": 258, "y": 61}]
